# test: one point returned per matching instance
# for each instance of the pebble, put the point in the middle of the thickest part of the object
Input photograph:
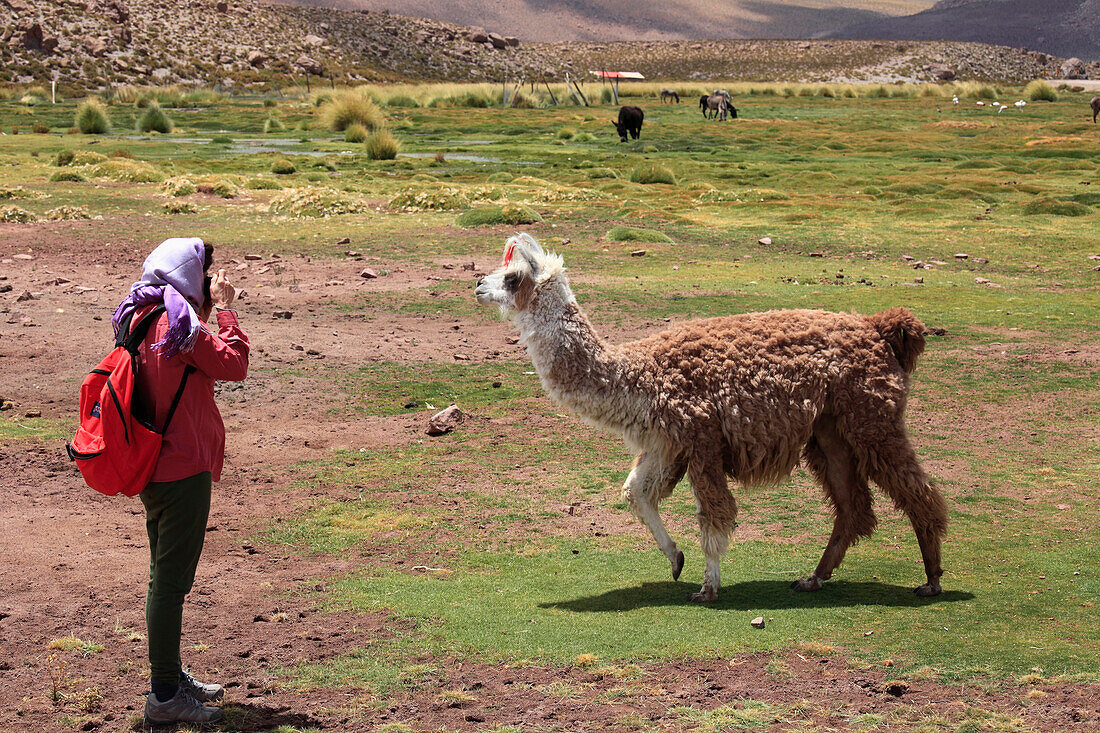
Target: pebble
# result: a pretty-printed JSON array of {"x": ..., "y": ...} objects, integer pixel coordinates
[
  {"x": 765, "y": 241},
  {"x": 445, "y": 421},
  {"x": 24, "y": 296},
  {"x": 22, "y": 257},
  {"x": 368, "y": 273},
  {"x": 5, "y": 288},
  {"x": 282, "y": 314},
  {"x": 638, "y": 253},
  {"x": 757, "y": 623},
  {"x": 253, "y": 258},
  {"x": 961, "y": 256},
  {"x": 33, "y": 413},
  {"x": 344, "y": 240},
  {"x": 980, "y": 281}
]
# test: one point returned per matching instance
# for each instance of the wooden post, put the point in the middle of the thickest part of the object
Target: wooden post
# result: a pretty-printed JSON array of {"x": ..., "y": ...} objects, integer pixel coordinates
[
  {"x": 53, "y": 91},
  {"x": 615, "y": 91},
  {"x": 307, "y": 83},
  {"x": 504, "y": 92},
  {"x": 578, "y": 88},
  {"x": 552, "y": 97}
]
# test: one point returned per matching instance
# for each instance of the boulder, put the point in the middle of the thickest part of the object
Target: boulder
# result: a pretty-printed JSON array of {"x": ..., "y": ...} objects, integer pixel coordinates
[
  {"x": 312, "y": 40},
  {"x": 497, "y": 41},
  {"x": 512, "y": 41},
  {"x": 95, "y": 46},
  {"x": 477, "y": 36},
  {"x": 32, "y": 36},
  {"x": 222, "y": 7},
  {"x": 256, "y": 58},
  {"x": 942, "y": 72},
  {"x": 445, "y": 421},
  {"x": 1073, "y": 68},
  {"x": 309, "y": 65}
]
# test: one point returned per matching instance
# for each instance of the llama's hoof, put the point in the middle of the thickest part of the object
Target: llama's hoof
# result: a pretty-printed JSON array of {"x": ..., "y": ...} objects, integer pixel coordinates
[
  {"x": 705, "y": 595},
  {"x": 807, "y": 584},
  {"x": 928, "y": 590},
  {"x": 677, "y": 565}
]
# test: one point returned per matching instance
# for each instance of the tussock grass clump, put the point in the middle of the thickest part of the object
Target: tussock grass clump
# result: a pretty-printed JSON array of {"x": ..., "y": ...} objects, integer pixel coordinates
[
  {"x": 355, "y": 133},
  {"x": 600, "y": 172},
  {"x": 717, "y": 196},
  {"x": 216, "y": 186},
  {"x": 583, "y": 137},
  {"x": 180, "y": 207},
  {"x": 500, "y": 177},
  {"x": 68, "y": 213},
  {"x": 439, "y": 197},
  {"x": 19, "y": 193},
  {"x": 348, "y": 108},
  {"x": 1039, "y": 91},
  {"x": 566, "y": 133},
  {"x": 178, "y": 186},
  {"x": 154, "y": 119},
  {"x": 16, "y": 215},
  {"x": 282, "y": 167},
  {"x": 631, "y": 234},
  {"x": 64, "y": 157},
  {"x": 315, "y": 203},
  {"x": 91, "y": 117},
  {"x": 1056, "y": 207},
  {"x": 126, "y": 171},
  {"x": 402, "y": 100},
  {"x": 68, "y": 176},
  {"x": 273, "y": 125},
  {"x": 764, "y": 194},
  {"x": 652, "y": 173},
  {"x": 488, "y": 216},
  {"x": 87, "y": 157},
  {"x": 382, "y": 145},
  {"x": 263, "y": 184}
]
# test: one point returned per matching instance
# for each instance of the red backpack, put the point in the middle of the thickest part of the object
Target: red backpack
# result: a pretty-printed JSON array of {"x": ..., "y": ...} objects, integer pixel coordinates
[{"x": 116, "y": 446}]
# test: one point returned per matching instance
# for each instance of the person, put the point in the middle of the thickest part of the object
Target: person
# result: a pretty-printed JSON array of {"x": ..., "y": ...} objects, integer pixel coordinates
[{"x": 177, "y": 499}]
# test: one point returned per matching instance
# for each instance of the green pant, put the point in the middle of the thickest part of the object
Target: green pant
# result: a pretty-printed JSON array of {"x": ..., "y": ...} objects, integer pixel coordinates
[{"x": 175, "y": 518}]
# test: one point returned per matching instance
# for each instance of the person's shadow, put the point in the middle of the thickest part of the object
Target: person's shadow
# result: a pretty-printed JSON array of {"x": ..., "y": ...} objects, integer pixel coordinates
[
  {"x": 244, "y": 718},
  {"x": 758, "y": 595}
]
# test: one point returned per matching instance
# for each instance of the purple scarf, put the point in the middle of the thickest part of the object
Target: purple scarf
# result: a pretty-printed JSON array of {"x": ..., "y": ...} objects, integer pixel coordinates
[{"x": 172, "y": 275}]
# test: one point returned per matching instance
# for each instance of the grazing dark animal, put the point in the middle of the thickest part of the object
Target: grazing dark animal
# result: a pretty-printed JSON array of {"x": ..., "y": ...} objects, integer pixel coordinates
[
  {"x": 1095, "y": 104},
  {"x": 630, "y": 122},
  {"x": 671, "y": 95},
  {"x": 703, "y": 104}
]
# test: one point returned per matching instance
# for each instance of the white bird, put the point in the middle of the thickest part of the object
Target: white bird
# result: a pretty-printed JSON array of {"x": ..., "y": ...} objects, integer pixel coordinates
[
  {"x": 1020, "y": 103},
  {"x": 981, "y": 103},
  {"x": 1002, "y": 109},
  {"x": 955, "y": 99}
]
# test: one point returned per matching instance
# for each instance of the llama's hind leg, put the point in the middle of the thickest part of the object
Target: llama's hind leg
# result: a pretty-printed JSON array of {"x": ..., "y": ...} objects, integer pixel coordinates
[
  {"x": 717, "y": 513},
  {"x": 651, "y": 479},
  {"x": 831, "y": 460},
  {"x": 892, "y": 464}
]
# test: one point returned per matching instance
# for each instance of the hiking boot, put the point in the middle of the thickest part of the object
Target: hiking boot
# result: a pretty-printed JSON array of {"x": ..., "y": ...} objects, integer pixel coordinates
[
  {"x": 183, "y": 708},
  {"x": 201, "y": 691}
]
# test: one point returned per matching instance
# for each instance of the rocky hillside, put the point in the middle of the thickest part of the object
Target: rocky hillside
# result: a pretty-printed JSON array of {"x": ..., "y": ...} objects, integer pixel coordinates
[
  {"x": 1064, "y": 27},
  {"x": 87, "y": 44}
]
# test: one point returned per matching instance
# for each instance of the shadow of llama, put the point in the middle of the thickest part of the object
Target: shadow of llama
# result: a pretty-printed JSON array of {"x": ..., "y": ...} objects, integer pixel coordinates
[{"x": 744, "y": 396}]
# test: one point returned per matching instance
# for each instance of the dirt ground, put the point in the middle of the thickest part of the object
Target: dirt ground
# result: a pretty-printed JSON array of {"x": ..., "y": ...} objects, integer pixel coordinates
[{"x": 76, "y": 562}]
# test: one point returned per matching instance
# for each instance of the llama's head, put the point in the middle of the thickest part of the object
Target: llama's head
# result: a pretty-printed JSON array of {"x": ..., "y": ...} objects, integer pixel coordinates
[{"x": 523, "y": 275}]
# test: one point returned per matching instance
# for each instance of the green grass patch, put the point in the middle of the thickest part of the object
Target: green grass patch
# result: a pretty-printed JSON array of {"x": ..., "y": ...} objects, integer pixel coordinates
[
  {"x": 490, "y": 215},
  {"x": 631, "y": 234}
]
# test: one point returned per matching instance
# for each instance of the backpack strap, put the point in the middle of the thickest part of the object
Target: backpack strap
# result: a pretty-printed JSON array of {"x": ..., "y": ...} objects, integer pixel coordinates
[
  {"x": 137, "y": 335},
  {"x": 176, "y": 400}
]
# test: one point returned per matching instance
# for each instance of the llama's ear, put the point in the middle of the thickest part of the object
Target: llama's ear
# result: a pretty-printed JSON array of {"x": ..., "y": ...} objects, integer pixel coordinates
[{"x": 532, "y": 245}]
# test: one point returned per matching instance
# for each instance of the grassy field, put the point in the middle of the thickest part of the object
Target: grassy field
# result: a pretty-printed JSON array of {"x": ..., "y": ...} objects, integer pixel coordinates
[{"x": 985, "y": 224}]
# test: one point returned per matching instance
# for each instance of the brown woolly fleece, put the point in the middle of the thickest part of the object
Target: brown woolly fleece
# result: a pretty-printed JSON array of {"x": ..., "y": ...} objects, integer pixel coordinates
[{"x": 744, "y": 396}]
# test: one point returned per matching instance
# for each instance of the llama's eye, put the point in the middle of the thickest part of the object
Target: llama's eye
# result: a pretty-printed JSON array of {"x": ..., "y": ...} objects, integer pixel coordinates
[{"x": 511, "y": 280}]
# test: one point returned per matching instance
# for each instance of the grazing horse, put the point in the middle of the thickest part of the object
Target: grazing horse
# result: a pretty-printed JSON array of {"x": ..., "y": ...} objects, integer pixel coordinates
[
  {"x": 1095, "y": 104},
  {"x": 630, "y": 122},
  {"x": 719, "y": 104},
  {"x": 671, "y": 95}
]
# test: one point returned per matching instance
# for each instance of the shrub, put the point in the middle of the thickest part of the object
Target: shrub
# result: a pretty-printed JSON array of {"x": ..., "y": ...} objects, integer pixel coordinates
[
  {"x": 153, "y": 119},
  {"x": 15, "y": 215},
  {"x": 263, "y": 184},
  {"x": 402, "y": 100},
  {"x": 91, "y": 117},
  {"x": 282, "y": 167},
  {"x": 127, "y": 171},
  {"x": 87, "y": 157},
  {"x": 651, "y": 173},
  {"x": 583, "y": 137},
  {"x": 64, "y": 157},
  {"x": 606, "y": 95},
  {"x": 218, "y": 187},
  {"x": 1040, "y": 91},
  {"x": 1056, "y": 207},
  {"x": 178, "y": 186},
  {"x": 507, "y": 214},
  {"x": 68, "y": 213},
  {"x": 273, "y": 124},
  {"x": 630, "y": 234},
  {"x": 39, "y": 128},
  {"x": 68, "y": 176},
  {"x": 355, "y": 133},
  {"x": 180, "y": 207},
  {"x": 221, "y": 140},
  {"x": 269, "y": 103},
  {"x": 566, "y": 133},
  {"x": 346, "y": 109},
  {"x": 382, "y": 146},
  {"x": 315, "y": 203}
]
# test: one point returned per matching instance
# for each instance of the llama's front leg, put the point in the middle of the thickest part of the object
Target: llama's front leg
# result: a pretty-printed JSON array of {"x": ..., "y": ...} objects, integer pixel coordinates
[
  {"x": 717, "y": 512},
  {"x": 651, "y": 479}
]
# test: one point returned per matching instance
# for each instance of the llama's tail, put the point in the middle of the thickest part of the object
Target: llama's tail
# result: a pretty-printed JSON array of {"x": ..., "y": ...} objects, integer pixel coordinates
[{"x": 904, "y": 332}]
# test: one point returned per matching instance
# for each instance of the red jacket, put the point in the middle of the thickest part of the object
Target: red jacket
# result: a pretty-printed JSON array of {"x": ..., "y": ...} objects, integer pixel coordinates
[{"x": 195, "y": 441}]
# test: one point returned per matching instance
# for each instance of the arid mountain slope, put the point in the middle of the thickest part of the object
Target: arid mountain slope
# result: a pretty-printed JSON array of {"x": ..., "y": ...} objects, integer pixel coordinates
[
  {"x": 1061, "y": 27},
  {"x": 629, "y": 20}
]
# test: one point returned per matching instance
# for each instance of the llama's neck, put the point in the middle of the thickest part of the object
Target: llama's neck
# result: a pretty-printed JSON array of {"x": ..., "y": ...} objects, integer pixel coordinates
[{"x": 577, "y": 368}]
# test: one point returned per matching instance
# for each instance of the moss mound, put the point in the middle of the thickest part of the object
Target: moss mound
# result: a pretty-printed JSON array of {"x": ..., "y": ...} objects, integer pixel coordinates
[
  {"x": 630, "y": 234},
  {"x": 488, "y": 216}
]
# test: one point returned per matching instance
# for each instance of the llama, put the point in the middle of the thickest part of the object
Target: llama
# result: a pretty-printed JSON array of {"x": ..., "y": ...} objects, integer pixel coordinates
[
  {"x": 742, "y": 396},
  {"x": 1095, "y": 104}
]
